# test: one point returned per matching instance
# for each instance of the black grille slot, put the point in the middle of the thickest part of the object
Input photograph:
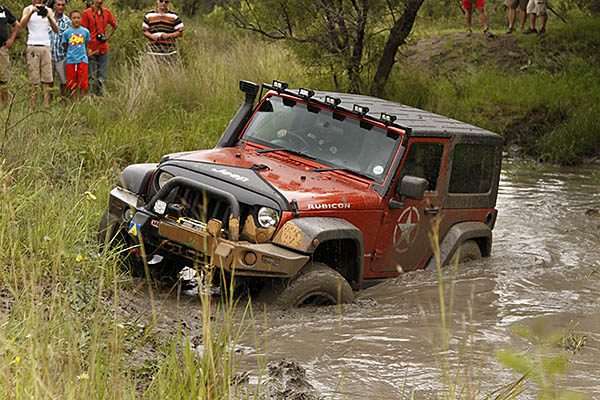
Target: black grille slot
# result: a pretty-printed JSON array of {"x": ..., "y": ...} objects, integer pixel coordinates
[{"x": 203, "y": 207}]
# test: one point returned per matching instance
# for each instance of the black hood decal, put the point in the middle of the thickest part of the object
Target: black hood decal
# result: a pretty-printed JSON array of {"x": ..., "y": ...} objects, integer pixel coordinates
[{"x": 248, "y": 179}]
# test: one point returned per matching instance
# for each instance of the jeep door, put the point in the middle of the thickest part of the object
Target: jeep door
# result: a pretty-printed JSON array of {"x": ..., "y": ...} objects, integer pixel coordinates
[{"x": 403, "y": 240}]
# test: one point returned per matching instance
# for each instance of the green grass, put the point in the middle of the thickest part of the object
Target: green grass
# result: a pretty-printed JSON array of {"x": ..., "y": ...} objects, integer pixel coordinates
[
  {"x": 546, "y": 106},
  {"x": 64, "y": 334}
]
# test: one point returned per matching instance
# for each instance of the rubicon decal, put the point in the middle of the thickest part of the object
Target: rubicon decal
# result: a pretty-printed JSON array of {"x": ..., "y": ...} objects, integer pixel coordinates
[
  {"x": 329, "y": 206},
  {"x": 232, "y": 175}
]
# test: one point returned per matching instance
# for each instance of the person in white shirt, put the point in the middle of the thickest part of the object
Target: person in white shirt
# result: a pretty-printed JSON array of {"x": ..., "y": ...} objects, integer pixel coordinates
[{"x": 39, "y": 20}]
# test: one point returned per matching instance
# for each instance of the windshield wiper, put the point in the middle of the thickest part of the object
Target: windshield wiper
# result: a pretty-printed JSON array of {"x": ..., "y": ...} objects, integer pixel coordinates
[
  {"x": 294, "y": 152},
  {"x": 351, "y": 171}
]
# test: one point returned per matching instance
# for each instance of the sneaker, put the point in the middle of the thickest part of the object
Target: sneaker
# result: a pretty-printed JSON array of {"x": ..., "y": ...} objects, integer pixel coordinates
[
  {"x": 541, "y": 31},
  {"x": 488, "y": 33},
  {"x": 509, "y": 31},
  {"x": 529, "y": 30},
  {"x": 469, "y": 32}
]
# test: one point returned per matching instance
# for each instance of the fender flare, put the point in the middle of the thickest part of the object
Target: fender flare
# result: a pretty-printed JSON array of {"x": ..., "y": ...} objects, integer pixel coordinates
[
  {"x": 300, "y": 233},
  {"x": 459, "y": 233},
  {"x": 136, "y": 177}
]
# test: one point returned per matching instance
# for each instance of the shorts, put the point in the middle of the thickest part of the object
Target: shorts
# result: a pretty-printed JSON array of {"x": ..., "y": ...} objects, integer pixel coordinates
[
  {"x": 77, "y": 76},
  {"x": 537, "y": 7},
  {"x": 468, "y": 4},
  {"x": 513, "y": 4},
  {"x": 4, "y": 65},
  {"x": 39, "y": 62},
  {"x": 59, "y": 71}
]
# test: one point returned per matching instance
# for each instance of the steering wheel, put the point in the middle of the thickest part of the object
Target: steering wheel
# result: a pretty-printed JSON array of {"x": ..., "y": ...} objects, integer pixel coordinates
[{"x": 293, "y": 138}]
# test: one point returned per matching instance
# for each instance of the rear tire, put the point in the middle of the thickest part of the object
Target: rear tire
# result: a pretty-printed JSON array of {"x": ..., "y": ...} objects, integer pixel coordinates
[
  {"x": 468, "y": 251},
  {"x": 316, "y": 284}
]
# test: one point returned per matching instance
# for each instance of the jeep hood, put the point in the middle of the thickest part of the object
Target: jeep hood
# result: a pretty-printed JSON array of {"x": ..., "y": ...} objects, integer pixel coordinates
[{"x": 283, "y": 177}]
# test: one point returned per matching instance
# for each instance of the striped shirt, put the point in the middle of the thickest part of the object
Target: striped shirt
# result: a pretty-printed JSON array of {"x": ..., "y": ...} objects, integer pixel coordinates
[
  {"x": 58, "y": 53},
  {"x": 168, "y": 22}
]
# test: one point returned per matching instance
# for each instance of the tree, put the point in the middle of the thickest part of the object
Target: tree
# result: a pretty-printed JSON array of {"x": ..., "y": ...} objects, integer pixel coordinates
[{"x": 334, "y": 33}]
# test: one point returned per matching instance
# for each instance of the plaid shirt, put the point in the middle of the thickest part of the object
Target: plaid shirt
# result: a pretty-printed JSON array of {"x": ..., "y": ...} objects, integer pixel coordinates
[{"x": 58, "y": 54}]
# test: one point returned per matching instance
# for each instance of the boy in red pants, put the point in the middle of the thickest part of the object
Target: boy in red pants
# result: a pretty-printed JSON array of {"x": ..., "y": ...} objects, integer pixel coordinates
[
  {"x": 480, "y": 5},
  {"x": 75, "y": 42}
]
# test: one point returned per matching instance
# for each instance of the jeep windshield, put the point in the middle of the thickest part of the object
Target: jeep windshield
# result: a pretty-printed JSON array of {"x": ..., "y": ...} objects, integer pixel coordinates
[{"x": 329, "y": 137}]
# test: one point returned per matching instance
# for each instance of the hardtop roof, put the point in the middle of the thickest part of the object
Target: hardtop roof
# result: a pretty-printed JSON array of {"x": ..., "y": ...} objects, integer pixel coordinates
[{"x": 423, "y": 123}]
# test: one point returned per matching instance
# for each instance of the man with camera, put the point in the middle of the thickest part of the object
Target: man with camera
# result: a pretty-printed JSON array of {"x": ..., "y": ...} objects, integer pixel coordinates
[
  {"x": 96, "y": 19},
  {"x": 6, "y": 42},
  {"x": 39, "y": 20}
]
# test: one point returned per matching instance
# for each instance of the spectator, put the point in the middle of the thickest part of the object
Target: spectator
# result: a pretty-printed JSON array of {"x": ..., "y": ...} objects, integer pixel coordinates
[
  {"x": 6, "y": 42},
  {"x": 162, "y": 26},
  {"x": 39, "y": 20},
  {"x": 96, "y": 19},
  {"x": 59, "y": 66},
  {"x": 480, "y": 5},
  {"x": 75, "y": 42},
  {"x": 534, "y": 8},
  {"x": 512, "y": 13}
]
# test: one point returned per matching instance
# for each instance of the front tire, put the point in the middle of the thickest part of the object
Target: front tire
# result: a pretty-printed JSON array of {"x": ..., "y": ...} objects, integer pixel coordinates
[{"x": 316, "y": 284}]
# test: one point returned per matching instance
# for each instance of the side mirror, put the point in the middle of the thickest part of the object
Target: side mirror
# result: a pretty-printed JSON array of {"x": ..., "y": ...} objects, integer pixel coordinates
[{"x": 411, "y": 187}]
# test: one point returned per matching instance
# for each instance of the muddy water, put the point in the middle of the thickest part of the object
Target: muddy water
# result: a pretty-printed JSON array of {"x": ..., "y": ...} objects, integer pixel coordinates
[{"x": 544, "y": 271}]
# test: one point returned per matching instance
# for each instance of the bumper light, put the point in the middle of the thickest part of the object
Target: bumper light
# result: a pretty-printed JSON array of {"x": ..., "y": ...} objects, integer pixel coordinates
[
  {"x": 267, "y": 217},
  {"x": 128, "y": 215},
  {"x": 160, "y": 207}
]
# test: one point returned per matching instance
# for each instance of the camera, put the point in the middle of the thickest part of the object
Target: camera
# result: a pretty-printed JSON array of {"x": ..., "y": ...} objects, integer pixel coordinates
[
  {"x": 42, "y": 11},
  {"x": 101, "y": 37}
]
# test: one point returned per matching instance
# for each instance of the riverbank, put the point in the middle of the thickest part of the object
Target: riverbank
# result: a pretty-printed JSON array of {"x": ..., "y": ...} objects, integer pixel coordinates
[{"x": 541, "y": 93}]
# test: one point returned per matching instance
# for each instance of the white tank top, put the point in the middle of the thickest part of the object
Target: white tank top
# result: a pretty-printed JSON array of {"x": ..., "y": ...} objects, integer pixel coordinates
[{"x": 39, "y": 29}]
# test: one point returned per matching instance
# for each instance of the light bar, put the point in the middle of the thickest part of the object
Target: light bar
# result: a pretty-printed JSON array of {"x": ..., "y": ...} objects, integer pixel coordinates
[
  {"x": 280, "y": 86},
  {"x": 332, "y": 101},
  {"x": 360, "y": 110},
  {"x": 306, "y": 93},
  {"x": 388, "y": 119}
]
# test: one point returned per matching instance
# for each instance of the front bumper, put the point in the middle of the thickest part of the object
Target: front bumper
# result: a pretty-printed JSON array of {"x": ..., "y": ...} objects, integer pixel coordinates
[{"x": 203, "y": 244}]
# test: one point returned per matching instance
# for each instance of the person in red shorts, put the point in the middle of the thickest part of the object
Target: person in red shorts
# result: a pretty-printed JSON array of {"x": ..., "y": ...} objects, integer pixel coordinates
[
  {"x": 75, "y": 42},
  {"x": 480, "y": 5}
]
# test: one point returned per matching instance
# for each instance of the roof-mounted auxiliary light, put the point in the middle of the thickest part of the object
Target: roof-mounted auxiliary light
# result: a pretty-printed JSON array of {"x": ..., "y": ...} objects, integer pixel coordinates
[
  {"x": 332, "y": 101},
  {"x": 360, "y": 110},
  {"x": 388, "y": 119},
  {"x": 279, "y": 86},
  {"x": 306, "y": 93}
]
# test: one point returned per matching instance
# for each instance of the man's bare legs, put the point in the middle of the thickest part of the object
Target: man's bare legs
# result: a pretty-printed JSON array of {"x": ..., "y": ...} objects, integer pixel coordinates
[{"x": 46, "y": 93}]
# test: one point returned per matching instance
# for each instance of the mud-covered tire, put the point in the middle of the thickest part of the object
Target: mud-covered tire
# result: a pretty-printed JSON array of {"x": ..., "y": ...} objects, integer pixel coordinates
[
  {"x": 316, "y": 284},
  {"x": 469, "y": 251},
  {"x": 107, "y": 230}
]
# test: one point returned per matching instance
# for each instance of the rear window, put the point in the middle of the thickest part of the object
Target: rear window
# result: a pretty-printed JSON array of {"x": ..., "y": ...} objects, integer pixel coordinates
[{"x": 472, "y": 168}]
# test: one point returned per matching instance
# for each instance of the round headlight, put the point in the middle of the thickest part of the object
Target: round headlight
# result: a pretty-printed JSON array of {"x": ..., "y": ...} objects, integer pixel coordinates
[
  {"x": 267, "y": 217},
  {"x": 163, "y": 178}
]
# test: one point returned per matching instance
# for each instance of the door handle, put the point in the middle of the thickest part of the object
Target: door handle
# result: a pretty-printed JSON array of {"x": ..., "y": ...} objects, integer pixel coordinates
[{"x": 432, "y": 210}]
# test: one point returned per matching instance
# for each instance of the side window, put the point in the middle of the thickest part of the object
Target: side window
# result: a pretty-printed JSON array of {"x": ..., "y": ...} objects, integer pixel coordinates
[
  {"x": 424, "y": 160},
  {"x": 472, "y": 168}
]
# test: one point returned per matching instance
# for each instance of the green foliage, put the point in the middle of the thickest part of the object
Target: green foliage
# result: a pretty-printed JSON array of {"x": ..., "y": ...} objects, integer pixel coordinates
[
  {"x": 65, "y": 334},
  {"x": 544, "y": 364},
  {"x": 187, "y": 7}
]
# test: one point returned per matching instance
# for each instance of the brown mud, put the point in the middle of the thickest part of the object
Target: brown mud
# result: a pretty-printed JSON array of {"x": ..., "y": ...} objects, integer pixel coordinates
[
  {"x": 544, "y": 271},
  {"x": 452, "y": 53}
]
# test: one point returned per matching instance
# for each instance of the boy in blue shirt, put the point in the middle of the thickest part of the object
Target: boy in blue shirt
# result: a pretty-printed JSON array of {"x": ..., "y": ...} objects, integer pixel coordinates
[{"x": 75, "y": 42}]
